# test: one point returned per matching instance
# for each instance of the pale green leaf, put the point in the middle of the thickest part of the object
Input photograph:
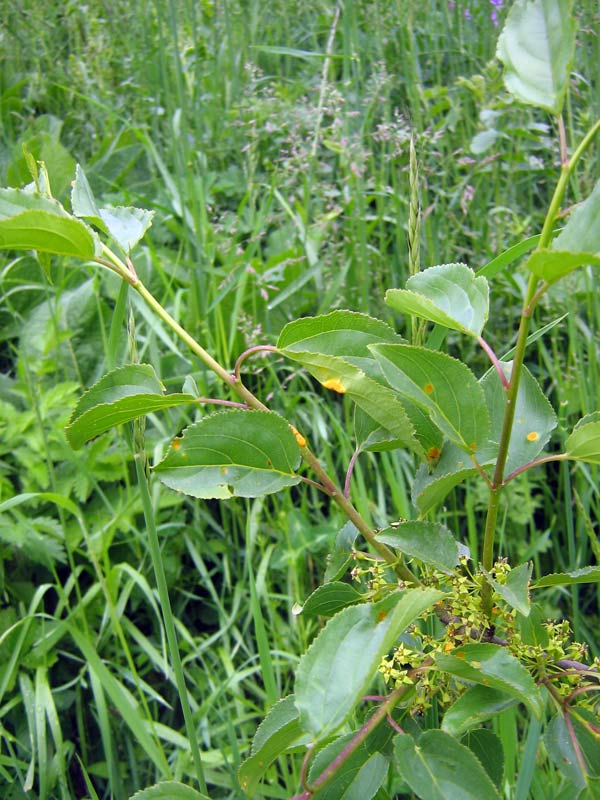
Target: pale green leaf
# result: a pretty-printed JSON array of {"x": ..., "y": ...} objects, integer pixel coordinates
[
  {"x": 341, "y": 663},
  {"x": 492, "y": 665},
  {"x": 537, "y": 47},
  {"x": 234, "y": 453},
  {"x": 437, "y": 767},
  {"x": 442, "y": 386},
  {"x": 31, "y": 222},
  {"x": 430, "y": 542},
  {"x": 449, "y": 294},
  {"x": 534, "y": 418},
  {"x": 126, "y": 225},
  {"x": 583, "y": 444}
]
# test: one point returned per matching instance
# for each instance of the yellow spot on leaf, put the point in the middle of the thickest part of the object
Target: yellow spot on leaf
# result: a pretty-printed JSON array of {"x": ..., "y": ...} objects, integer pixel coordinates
[
  {"x": 175, "y": 444},
  {"x": 428, "y": 388},
  {"x": 533, "y": 436},
  {"x": 448, "y": 646},
  {"x": 299, "y": 438},
  {"x": 335, "y": 385},
  {"x": 223, "y": 470}
]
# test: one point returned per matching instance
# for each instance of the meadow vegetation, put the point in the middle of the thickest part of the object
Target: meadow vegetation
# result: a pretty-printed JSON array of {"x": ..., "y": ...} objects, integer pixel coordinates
[{"x": 273, "y": 142}]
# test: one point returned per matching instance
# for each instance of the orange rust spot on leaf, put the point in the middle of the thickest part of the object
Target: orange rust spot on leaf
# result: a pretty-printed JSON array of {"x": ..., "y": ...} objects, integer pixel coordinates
[
  {"x": 533, "y": 436},
  {"x": 448, "y": 646},
  {"x": 381, "y": 616},
  {"x": 461, "y": 655},
  {"x": 335, "y": 385},
  {"x": 433, "y": 454},
  {"x": 428, "y": 388},
  {"x": 175, "y": 444}
]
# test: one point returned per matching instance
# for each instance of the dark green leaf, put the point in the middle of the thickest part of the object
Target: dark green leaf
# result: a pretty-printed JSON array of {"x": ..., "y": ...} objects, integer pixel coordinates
[
  {"x": 234, "y": 453},
  {"x": 492, "y": 665},
  {"x": 583, "y": 575},
  {"x": 341, "y": 555},
  {"x": 120, "y": 396},
  {"x": 430, "y": 542},
  {"x": 341, "y": 333},
  {"x": 31, "y": 222},
  {"x": 359, "y": 777},
  {"x": 515, "y": 591},
  {"x": 339, "y": 666},
  {"x": 437, "y": 767},
  {"x": 279, "y": 731},
  {"x": 537, "y": 47},
  {"x": 487, "y": 747},
  {"x": 450, "y": 295},
  {"x": 562, "y": 749},
  {"x": 476, "y": 705},
  {"x": 330, "y": 598},
  {"x": 444, "y": 387}
]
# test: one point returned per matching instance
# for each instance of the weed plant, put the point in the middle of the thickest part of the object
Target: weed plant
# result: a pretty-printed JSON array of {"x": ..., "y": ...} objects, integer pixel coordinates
[{"x": 273, "y": 142}]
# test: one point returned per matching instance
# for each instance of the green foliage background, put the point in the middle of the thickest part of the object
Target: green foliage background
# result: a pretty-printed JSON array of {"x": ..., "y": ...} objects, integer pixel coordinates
[{"x": 280, "y": 183}]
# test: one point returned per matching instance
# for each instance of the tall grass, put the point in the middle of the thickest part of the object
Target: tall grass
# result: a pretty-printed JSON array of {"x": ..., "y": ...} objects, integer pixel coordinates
[{"x": 273, "y": 140}]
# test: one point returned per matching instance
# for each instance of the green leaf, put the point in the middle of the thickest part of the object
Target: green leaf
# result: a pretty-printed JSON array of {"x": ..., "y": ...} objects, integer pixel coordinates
[
  {"x": 537, "y": 47},
  {"x": 340, "y": 664},
  {"x": 32, "y": 222},
  {"x": 432, "y": 484},
  {"x": 233, "y": 453},
  {"x": 561, "y": 748},
  {"x": 120, "y": 396},
  {"x": 430, "y": 542},
  {"x": 492, "y": 665},
  {"x": 334, "y": 349},
  {"x": 328, "y": 599},
  {"x": 515, "y": 591},
  {"x": 126, "y": 225},
  {"x": 341, "y": 555},
  {"x": 476, "y": 705},
  {"x": 583, "y": 444},
  {"x": 370, "y": 435},
  {"x": 450, "y": 295},
  {"x": 168, "y": 790},
  {"x": 577, "y": 244},
  {"x": 279, "y": 731},
  {"x": 583, "y": 575},
  {"x": 534, "y": 418},
  {"x": 358, "y": 778},
  {"x": 551, "y": 265},
  {"x": 487, "y": 747},
  {"x": 340, "y": 333},
  {"x": 437, "y": 767},
  {"x": 83, "y": 202},
  {"x": 444, "y": 387}
]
